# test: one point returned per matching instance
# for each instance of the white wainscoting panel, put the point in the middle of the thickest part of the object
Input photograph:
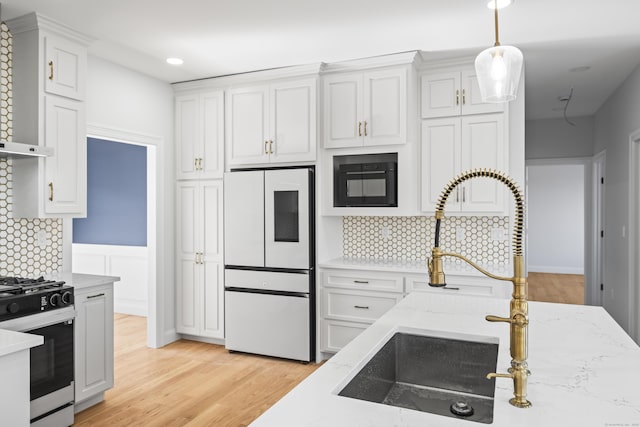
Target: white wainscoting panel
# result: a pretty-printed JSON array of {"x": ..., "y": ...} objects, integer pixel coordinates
[{"x": 130, "y": 263}]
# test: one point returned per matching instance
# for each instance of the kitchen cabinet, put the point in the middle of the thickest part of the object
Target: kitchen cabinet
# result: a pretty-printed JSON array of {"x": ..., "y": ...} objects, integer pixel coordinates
[
  {"x": 272, "y": 123},
  {"x": 366, "y": 109},
  {"x": 93, "y": 336},
  {"x": 351, "y": 301},
  {"x": 461, "y": 285},
  {"x": 456, "y": 144},
  {"x": 200, "y": 135},
  {"x": 452, "y": 94},
  {"x": 49, "y": 71},
  {"x": 199, "y": 286}
]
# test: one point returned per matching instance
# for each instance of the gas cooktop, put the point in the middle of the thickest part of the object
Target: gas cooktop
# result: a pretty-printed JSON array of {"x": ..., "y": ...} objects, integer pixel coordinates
[
  {"x": 21, "y": 296},
  {"x": 21, "y": 285}
]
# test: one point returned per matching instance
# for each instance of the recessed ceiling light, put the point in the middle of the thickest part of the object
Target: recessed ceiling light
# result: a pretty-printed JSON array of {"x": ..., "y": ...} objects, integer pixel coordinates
[
  {"x": 501, "y": 3},
  {"x": 175, "y": 61},
  {"x": 579, "y": 69}
]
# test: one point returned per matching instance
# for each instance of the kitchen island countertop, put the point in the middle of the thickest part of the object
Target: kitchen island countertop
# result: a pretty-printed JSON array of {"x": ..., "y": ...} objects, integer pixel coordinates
[
  {"x": 585, "y": 368},
  {"x": 81, "y": 281}
]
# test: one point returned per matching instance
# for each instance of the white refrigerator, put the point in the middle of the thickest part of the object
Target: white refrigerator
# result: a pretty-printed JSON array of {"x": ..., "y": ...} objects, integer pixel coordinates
[{"x": 270, "y": 262}]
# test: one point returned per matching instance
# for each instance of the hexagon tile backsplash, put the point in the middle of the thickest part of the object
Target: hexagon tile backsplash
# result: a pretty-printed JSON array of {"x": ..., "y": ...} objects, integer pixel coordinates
[
  {"x": 28, "y": 247},
  {"x": 483, "y": 239}
]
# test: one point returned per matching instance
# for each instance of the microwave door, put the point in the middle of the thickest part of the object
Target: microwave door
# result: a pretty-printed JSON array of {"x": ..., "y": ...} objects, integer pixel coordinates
[
  {"x": 287, "y": 218},
  {"x": 244, "y": 218}
]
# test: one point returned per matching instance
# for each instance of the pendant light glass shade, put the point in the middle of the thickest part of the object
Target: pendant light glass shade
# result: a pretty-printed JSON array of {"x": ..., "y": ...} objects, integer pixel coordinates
[{"x": 498, "y": 70}]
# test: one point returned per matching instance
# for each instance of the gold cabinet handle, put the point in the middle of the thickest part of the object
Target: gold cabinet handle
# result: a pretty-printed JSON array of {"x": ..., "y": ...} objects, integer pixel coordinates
[
  {"x": 266, "y": 147},
  {"x": 464, "y": 97},
  {"x": 359, "y": 128},
  {"x": 365, "y": 128},
  {"x": 457, "y": 97},
  {"x": 50, "y": 70},
  {"x": 200, "y": 163},
  {"x": 270, "y": 147},
  {"x": 51, "y": 191},
  {"x": 195, "y": 163}
]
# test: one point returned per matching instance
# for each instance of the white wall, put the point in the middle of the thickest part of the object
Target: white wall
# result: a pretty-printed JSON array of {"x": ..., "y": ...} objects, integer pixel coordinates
[
  {"x": 614, "y": 122},
  {"x": 556, "y": 218},
  {"x": 555, "y": 138},
  {"x": 121, "y": 100}
]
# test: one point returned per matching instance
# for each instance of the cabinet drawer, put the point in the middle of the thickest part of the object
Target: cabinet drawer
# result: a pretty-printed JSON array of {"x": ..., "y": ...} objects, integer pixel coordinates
[
  {"x": 363, "y": 280},
  {"x": 465, "y": 286},
  {"x": 357, "y": 306},
  {"x": 337, "y": 334}
]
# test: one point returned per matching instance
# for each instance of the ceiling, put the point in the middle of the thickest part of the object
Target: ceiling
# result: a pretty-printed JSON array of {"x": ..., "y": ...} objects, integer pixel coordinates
[{"x": 216, "y": 37}]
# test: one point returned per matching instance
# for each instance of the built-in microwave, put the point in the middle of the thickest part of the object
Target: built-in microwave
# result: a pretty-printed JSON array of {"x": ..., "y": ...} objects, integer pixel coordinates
[{"x": 365, "y": 180}]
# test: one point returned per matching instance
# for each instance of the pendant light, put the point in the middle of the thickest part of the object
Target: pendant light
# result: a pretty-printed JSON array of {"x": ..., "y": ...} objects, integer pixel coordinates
[{"x": 498, "y": 69}]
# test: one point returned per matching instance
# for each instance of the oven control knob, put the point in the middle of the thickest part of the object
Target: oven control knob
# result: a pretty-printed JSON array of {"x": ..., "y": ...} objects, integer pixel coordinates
[
  {"x": 54, "y": 300},
  {"x": 13, "y": 308},
  {"x": 67, "y": 298}
]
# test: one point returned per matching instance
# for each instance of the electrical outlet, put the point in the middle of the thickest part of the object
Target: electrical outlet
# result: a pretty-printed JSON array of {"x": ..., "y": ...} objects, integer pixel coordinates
[
  {"x": 460, "y": 234},
  {"x": 498, "y": 234},
  {"x": 385, "y": 232},
  {"x": 41, "y": 237}
]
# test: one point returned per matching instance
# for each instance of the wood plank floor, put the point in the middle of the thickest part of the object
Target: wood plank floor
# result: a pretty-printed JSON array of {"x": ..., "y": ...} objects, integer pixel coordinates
[
  {"x": 562, "y": 288},
  {"x": 189, "y": 383}
]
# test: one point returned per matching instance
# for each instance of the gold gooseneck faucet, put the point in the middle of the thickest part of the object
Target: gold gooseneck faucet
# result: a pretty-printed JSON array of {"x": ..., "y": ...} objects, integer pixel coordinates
[{"x": 519, "y": 317}]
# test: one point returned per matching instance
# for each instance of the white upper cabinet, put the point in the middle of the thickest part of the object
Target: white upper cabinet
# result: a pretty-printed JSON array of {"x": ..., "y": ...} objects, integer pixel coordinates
[
  {"x": 274, "y": 123},
  {"x": 200, "y": 135},
  {"x": 456, "y": 144},
  {"x": 452, "y": 94},
  {"x": 49, "y": 71},
  {"x": 365, "y": 108},
  {"x": 65, "y": 63}
]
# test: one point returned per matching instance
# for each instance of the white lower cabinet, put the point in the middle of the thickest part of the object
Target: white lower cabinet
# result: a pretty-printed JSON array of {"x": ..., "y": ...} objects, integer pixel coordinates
[
  {"x": 351, "y": 301},
  {"x": 93, "y": 344}
]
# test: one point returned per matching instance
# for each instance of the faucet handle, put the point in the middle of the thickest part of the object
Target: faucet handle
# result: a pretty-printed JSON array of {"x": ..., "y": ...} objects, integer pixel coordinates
[
  {"x": 491, "y": 318},
  {"x": 495, "y": 375},
  {"x": 518, "y": 319}
]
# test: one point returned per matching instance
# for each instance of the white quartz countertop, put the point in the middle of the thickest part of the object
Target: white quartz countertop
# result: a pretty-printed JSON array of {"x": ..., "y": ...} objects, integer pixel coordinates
[
  {"x": 80, "y": 281},
  {"x": 413, "y": 266},
  {"x": 13, "y": 342},
  {"x": 585, "y": 368}
]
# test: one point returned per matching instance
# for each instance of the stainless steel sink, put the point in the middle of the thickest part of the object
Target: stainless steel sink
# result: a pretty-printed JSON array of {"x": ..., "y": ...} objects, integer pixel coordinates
[{"x": 444, "y": 376}]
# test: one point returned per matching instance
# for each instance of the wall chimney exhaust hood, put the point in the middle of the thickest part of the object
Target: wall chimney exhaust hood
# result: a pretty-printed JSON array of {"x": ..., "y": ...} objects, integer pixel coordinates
[{"x": 20, "y": 150}]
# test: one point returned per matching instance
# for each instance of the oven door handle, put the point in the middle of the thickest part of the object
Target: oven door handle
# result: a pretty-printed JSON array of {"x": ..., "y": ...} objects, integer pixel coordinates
[{"x": 39, "y": 320}]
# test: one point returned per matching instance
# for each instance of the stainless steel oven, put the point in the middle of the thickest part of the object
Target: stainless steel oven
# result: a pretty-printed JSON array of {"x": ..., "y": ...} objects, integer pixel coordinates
[
  {"x": 49, "y": 313},
  {"x": 365, "y": 180}
]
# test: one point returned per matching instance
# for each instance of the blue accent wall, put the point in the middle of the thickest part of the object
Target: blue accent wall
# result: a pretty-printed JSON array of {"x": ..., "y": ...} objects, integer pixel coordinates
[{"x": 116, "y": 195}]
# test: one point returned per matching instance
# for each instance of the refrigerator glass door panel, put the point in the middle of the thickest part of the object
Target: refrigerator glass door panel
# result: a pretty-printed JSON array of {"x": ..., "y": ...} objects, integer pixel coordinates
[
  {"x": 287, "y": 218},
  {"x": 272, "y": 325},
  {"x": 243, "y": 219},
  {"x": 266, "y": 280}
]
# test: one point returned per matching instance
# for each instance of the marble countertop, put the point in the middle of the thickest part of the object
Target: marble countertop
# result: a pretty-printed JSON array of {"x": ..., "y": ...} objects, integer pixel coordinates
[
  {"x": 413, "y": 266},
  {"x": 585, "y": 368},
  {"x": 13, "y": 342},
  {"x": 81, "y": 281}
]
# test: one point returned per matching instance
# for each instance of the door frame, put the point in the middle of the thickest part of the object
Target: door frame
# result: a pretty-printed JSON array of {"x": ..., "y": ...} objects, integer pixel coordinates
[
  {"x": 155, "y": 297},
  {"x": 596, "y": 259},
  {"x": 634, "y": 234}
]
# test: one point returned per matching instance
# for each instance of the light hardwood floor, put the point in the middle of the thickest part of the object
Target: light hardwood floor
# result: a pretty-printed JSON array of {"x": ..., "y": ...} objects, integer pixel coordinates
[{"x": 189, "y": 383}]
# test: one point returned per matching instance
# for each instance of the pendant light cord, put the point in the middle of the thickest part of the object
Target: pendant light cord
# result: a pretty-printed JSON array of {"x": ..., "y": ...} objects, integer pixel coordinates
[
  {"x": 566, "y": 104},
  {"x": 495, "y": 15}
]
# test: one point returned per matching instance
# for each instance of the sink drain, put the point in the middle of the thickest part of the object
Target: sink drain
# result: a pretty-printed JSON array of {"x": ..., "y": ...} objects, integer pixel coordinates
[{"x": 462, "y": 409}]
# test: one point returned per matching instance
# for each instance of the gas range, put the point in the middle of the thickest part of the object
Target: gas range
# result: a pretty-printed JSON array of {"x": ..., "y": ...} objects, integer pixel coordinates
[{"x": 22, "y": 297}]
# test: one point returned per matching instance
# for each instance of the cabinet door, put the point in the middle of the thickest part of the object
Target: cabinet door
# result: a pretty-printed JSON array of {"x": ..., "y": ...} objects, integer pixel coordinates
[
  {"x": 65, "y": 171},
  {"x": 65, "y": 64},
  {"x": 187, "y": 126},
  {"x": 210, "y": 304},
  {"x": 441, "y": 95},
  {"x": 440, "y": 160},
  {"x": 211, "y": 128},
  {"x": 385, "y": 101},
  {"x": 472, "y": 100},
  {"x": 188, "y": 223},
  {"x": 343, "y": 110},
  {"x": 483, "y": 147},
  {"x": 94, "y": 341},
  {"x": 247, "y": 125},
  {"x": 244, "y": 218},
  {"x": 293, "y": 121}
]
